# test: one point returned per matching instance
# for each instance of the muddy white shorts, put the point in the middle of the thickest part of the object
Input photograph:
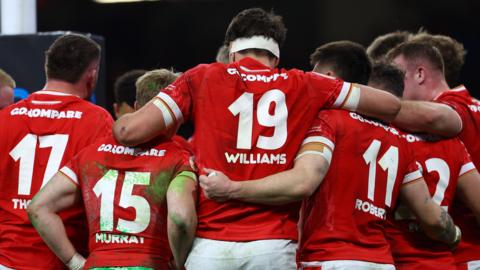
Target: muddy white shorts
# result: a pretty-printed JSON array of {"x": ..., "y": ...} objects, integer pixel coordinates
[{"x": 210, "y": 254}]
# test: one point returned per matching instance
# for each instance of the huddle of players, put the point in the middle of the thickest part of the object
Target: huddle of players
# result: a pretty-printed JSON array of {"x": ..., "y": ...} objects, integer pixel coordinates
[{"x": 139, "y": 188}]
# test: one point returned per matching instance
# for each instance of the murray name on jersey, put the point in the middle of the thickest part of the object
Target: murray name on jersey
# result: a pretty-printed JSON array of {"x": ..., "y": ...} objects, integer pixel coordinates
[{"x": 110, "y": 238}]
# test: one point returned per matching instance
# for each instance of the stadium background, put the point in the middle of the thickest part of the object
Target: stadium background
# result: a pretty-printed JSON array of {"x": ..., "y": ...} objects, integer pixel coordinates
[{"x": 182, "y": 34}]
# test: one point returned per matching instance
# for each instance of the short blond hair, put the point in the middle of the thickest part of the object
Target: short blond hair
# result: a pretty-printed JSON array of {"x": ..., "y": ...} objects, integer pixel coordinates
[
  {"x": 6, "y": 79},
  {"x": 150, "y": 84}
]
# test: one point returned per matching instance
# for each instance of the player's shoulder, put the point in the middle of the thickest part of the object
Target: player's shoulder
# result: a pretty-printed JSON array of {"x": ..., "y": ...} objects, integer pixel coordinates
[
  {"x": 458, "y": 92},
  {"x": 201, "y": 69},
  {"x": 93, "y": 111}
]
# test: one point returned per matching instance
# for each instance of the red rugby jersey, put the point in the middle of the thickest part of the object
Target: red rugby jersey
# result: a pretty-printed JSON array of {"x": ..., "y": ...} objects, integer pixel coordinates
[
  {"x": 249, "y": 123},
  {"x": 124, "y": 192},
  {"x": 443, "y": 162},
  {"x": 346, "y": 216},
  {"x": 38, "y": 136},
  {"x": 469, "y": 110}
]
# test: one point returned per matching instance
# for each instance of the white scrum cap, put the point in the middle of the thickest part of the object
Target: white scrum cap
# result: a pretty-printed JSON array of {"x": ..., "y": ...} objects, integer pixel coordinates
[{"x": 255, "y": 42}]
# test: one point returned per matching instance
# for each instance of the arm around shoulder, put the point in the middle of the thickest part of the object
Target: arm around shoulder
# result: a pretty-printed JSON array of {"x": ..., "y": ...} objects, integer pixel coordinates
[
  {"x": 429, "y": 117},
  {"x": 374, "y": 103},
  {"x": 141, "y": 126}
]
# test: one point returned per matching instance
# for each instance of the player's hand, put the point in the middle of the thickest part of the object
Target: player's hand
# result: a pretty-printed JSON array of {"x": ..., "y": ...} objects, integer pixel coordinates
[{"x": 216, "y": 186}]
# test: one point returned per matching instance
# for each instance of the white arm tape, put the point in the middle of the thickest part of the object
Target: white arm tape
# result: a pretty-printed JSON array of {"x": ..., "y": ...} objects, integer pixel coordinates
[
  {"x": 76, "y": 262},
  {"x": 167, "y": 116},
  {"x": 326, "y": 153},
  {"x": 353, "y": 99}
]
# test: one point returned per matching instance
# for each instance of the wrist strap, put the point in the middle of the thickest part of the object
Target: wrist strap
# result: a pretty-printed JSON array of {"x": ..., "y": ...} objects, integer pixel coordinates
[{"x": 76, "y": 262}]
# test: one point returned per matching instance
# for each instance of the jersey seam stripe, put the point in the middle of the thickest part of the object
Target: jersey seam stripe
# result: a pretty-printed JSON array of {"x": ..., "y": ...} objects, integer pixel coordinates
[
  {"x": 172, "y": 105},
  {"x": 69, "y": 178},
  {"x": 411, "y": 181},
  {"x": 412, "y": 176},
  {"x": 468, "y": 167}
]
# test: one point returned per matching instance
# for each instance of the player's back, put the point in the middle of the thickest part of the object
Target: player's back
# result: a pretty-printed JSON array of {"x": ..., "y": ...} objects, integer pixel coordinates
[
  {"x": 39, "y": 135},
  {"x": 443, "y": 162},
  {"x": 124, "y": 192},
  {"x": 469, "y": 110},
  {"x": 345, "y": 218},
  {"x": 249, "y": 123}
]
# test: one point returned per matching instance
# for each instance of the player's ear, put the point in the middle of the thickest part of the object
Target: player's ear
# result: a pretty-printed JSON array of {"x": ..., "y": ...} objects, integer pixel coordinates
[
  {"x": 276, "y": 62},
  {"x": 135, "y": 106},
  {"x": 420, "y": 75}
]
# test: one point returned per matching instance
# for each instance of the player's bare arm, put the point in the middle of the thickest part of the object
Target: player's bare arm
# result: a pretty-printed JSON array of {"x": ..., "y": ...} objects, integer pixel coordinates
[
  {"x": 429, "y": 117},
  {"x": 141, "y": 126},
  {"x": 374, "y": 103},
  {"x": 285, "y": 187},
  {"x": 182, "y": 217},
  {"x": 59, "y": 194},
  {"x": 435, "y": 221},
  {"x": 468, "y": 188}
]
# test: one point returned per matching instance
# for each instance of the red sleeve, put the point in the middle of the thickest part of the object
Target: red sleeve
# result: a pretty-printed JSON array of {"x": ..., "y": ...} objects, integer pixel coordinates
[
  {"x": 457, "y": 103},
  {"x": 177, "y": 98},
  {"x": 333, "y": 92},
  {"x": 103, "y": 125},
  {"x": 323, "y": 129},
  {"x": 466, "y": 161},
  {"x": 185, "y": 162},
  {"x": 413, "y": 171},
  {"x": 72, "y": 169}
]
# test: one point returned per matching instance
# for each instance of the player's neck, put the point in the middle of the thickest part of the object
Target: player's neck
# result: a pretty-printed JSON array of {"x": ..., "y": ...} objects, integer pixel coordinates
[
  {"x": 438, "y": 87},
  {"x": 265, "y": 60},
  {"x": 64, "y": 87}
]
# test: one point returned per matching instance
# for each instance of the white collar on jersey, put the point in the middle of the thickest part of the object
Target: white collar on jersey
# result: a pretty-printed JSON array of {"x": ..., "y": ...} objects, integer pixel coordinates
[
  {"x": 54, "y": 93},
  {"x": 255, "y": 42}
]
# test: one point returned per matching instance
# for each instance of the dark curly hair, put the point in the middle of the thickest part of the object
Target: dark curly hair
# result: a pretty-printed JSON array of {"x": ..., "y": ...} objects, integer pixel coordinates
[
  {"x": 256, "y": 22},
  {"x": 348, "y": 59},
  {"x": 69, "y": 56}
]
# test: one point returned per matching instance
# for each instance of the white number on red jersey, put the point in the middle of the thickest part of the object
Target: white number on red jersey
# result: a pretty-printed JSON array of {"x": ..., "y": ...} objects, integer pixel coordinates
[
  {"x": 243, "y": 106},
  {"x": 105, "y": 189},
  {"x": 441, "y": 167},
  {"x": 388, "y": 162},
  {"x": 25, "y": 152}
]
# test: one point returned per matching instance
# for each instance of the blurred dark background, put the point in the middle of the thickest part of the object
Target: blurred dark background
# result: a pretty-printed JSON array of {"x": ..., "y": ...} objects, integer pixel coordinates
[{"x": 182, "y": 34}]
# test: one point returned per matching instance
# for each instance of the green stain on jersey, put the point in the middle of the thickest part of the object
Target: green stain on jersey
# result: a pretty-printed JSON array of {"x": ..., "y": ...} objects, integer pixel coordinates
[{"x": 158, "y": 189}]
